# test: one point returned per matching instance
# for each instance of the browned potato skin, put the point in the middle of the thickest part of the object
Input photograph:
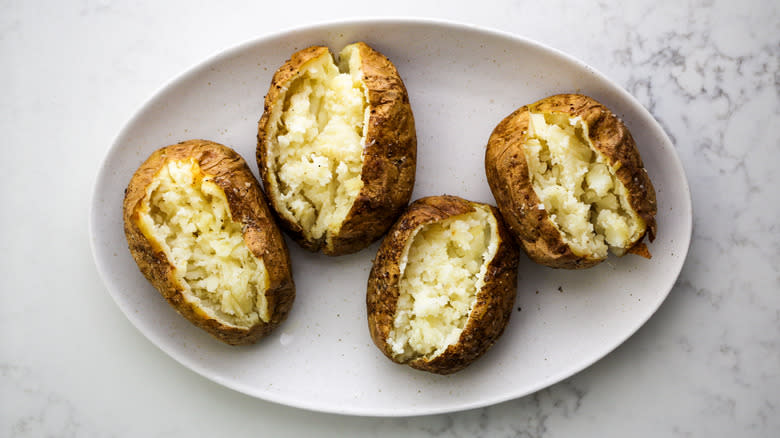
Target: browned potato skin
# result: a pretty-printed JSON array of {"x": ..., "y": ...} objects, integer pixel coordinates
[
  {"x": 389, "y": 157},
  {"x": 247, "y": 206},
  {"x": 509, "y": 179},
  {"x": 494, "y": 303}
]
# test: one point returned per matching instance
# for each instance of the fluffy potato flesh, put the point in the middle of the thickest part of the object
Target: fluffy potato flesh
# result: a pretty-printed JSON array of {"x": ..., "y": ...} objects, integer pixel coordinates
[
  {"x": 186, "y": 215},
  {"x": 578, "y": 188},
  {"x": 442, "y": 271},
  {"x": 316, "y": 144}
]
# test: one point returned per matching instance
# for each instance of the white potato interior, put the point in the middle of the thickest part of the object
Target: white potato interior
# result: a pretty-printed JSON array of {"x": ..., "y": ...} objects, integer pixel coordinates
[
  {"x": 442, "y": 269},
  {"x": 316, "y": 139},
  {"x": 187, "y": 215},
  {"x": 578, "y": 187}
]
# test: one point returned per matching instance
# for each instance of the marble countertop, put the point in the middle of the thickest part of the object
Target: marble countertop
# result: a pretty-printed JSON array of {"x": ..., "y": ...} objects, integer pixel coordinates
[{"x": 706, "y": 364}]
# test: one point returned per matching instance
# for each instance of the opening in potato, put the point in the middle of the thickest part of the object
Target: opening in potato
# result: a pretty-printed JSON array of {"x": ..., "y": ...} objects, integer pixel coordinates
[
  {"x": 578, "y": 187},
  {"x": 317, "y": 132},
  {"x": 442, "y": 270},
  {"x": 186, "y": 215}
]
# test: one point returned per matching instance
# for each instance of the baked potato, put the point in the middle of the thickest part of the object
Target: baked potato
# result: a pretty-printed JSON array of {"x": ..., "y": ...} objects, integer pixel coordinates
[
  {"x": 569, "y": 181},
  {"x": 336, "y": 147},
  {"x": 198, "y": 227},
  {"x": 443, "y": 284}
]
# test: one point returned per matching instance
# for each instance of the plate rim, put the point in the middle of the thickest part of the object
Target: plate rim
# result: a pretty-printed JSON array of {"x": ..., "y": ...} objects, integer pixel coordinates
[{"x": 449, "y": 25}]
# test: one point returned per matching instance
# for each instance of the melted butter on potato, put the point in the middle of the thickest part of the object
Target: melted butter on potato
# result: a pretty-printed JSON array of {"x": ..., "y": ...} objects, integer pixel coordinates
[
  {"x": 186, "y": 215},
  {"x": 316, "y": 156},
  {"x": 578, "y": 187},
  {"x": 442, "y": 270}
]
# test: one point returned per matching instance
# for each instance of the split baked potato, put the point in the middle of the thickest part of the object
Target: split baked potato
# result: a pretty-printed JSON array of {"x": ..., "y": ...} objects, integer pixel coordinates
[
  {"x": 443, "y": 284},
  {"x": 198, "y": 227},
  {"x": 569, "y": 181},
  {"x": 337, "y": 148}
]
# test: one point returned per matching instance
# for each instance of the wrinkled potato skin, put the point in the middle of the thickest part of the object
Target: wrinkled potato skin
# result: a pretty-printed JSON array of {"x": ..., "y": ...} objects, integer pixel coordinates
[
  {"x": 389, "y": 154},
  {"x": 494, "y": 302},
  {"x": 247, "y": 206},
  {"x": 509, "y": 179}
]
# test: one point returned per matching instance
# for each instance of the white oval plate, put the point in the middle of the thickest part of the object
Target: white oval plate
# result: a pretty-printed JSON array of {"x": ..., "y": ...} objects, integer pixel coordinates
[{"x": 462, "y": 81}]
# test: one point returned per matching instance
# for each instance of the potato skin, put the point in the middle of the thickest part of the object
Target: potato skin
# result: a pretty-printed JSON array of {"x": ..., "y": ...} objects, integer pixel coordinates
[
  {"x": 247, "y": 206},
  {"x": 509, "y": 179},
  {"x": 494, "y": 302},
  {"x": 389, "y": 154}
]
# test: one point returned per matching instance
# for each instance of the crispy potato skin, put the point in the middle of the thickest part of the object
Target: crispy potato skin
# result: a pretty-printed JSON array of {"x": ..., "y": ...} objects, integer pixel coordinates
[
  {"x": 247, "y": 206},
  {"x": 509, "y": 179},
  {"x": 389, "y": 154},
  {"x": 494, "y": 302}
]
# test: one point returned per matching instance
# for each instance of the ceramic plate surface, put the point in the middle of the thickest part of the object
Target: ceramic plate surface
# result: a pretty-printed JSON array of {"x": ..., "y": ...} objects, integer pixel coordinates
[{"x": 462, "y": 81}]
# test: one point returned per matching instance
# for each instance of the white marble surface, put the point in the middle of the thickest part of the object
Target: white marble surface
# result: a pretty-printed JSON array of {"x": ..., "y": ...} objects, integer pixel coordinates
[{"x": 707, "y": 364}]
